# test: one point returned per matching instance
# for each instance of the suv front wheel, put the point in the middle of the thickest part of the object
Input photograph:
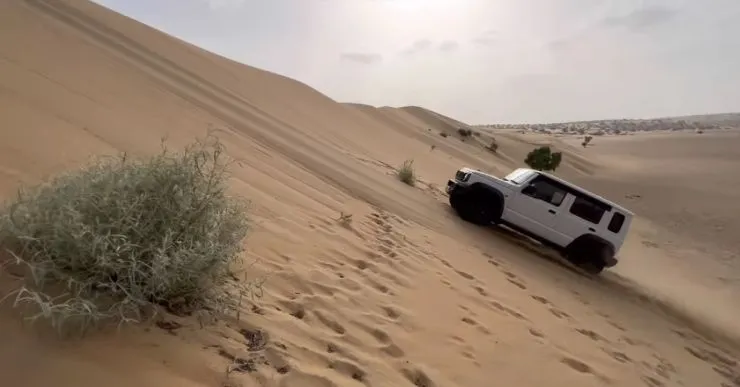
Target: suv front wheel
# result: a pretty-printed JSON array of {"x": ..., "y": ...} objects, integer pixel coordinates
[{"x": 476, "y": 207}]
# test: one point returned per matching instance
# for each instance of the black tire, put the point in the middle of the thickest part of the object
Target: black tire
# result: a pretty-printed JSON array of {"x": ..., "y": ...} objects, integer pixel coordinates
[
  {"x": 476, "y": 207},
  {"x": 589, "y": 255}
]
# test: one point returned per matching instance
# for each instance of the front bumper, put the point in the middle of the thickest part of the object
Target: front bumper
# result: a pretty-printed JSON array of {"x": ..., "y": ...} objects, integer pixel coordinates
[{"x": 452, "y": 186}]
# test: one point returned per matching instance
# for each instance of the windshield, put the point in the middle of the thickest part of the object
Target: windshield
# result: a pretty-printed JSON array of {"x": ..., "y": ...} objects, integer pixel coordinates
[{"x": 519, "y": 176}]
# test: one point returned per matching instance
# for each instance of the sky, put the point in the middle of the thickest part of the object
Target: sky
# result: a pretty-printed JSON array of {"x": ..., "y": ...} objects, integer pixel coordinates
[{"x": 480, "y": 61}]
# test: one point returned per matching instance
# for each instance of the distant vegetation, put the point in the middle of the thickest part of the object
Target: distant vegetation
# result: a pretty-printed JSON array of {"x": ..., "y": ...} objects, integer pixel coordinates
[
  {"x": 543, "y": 159},
  {"x": 122, "y": 236},
  {"x": 616, "y": 127},
  {"x": 586, "y": 141},
  {"x": 406, "y": 173},
  {"x": 493, "y": 146},
  {"x": 464, "y": 132}
]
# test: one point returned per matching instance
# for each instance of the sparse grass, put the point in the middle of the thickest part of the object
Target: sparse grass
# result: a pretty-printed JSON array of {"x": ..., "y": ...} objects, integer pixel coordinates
[
  {"x": 120, "y": 237},
  {"x": 345, "y": 220},
  {"x": 406, "y": 173}
]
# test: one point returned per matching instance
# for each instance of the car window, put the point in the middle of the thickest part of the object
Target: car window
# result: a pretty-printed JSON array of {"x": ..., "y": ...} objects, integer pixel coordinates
[
  {"x": 546, "y": 191},
  {"x": 616, "y": 223},
  {"x": 586, "y": 209}
]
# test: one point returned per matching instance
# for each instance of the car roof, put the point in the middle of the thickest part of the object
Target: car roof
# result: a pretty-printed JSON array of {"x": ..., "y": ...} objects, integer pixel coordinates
[{"x": 581, "y": 190}]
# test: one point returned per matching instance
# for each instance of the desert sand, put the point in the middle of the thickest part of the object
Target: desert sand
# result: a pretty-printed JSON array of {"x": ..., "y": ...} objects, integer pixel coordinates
[{"x": 406, "y": 293}]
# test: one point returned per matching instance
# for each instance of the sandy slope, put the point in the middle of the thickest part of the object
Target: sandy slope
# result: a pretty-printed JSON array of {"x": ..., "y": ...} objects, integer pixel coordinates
[{"x": 407, "y": 294}]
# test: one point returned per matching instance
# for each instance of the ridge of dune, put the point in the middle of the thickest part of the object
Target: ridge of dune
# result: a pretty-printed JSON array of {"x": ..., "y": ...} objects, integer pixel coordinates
[{"x": 406, "y": 294}]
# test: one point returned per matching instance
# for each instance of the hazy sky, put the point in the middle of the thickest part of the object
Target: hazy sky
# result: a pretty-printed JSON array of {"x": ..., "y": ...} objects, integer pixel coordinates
[{"x": 481, "y": 61}]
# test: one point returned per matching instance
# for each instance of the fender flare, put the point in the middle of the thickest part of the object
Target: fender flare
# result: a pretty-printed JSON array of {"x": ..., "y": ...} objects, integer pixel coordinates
[
  {"x": 490, "y": 191},
  {"x": 591, "y": 238}
]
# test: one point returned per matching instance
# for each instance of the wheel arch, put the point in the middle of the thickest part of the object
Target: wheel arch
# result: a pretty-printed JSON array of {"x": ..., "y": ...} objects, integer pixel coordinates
[
  {"x": 492, "y": 192},
  {"x": 590, "y": 240}
]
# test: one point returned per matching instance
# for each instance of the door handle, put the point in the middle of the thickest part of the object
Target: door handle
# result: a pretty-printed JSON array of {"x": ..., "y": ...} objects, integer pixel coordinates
[{"x": 552, "y": 211}]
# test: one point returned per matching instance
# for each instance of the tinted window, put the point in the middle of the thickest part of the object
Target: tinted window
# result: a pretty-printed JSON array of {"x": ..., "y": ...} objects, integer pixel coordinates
[
  {"x": 544, "y": 190},
  {"x": 616, "y": 223},
  {"x": 589, "y": 210}
]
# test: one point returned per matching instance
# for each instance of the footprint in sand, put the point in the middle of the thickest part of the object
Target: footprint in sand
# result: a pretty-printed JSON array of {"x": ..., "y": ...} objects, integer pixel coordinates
[
  {"x": 592, "y": 335},
  {"x": 503, "y": 308},
  {"x": 330, "y": 323},
  {"x": 514, "y": 279},
  {"x": 481, "y": 291},
  {"x": 295, "y": 309},
  {"x": 472, "y": 322},
  {"x": 536, "y": 333},
  {"x": 558, "y": 313},
  {"x": 723, "y": 365},
  {"x": 541, "y": 300},
  {"x": 446, "y": 263},
  {"x": 618, "y": 356},
  {"x": 418, "y": 377},
  {"x": 377, "y": 285},
  {"x": 577, "y": 365},
  {"x": 518, "y": 284},
  {"x": 651, "y": 381},
  {"x": 348, "y": 369},
  {"x": 298, "y": 378},
  {"x": 388, "y": 346},
  {"x": 391, "y": 312},
  {"x": 464, "y": 275}
]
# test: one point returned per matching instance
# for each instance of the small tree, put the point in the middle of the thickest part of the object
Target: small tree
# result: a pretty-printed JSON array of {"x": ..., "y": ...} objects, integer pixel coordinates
[
  {"x": 543, "y": 159},
  {"x": 586, "y": 141}
]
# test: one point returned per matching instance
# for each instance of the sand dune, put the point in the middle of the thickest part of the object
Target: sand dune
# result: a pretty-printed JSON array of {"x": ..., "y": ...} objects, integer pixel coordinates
[{"x": 406, "y": 294}]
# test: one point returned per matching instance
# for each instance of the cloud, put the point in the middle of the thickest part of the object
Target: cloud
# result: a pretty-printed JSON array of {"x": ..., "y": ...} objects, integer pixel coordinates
[
  {"x": 449, "y": 45},
  {"x": 487, "y": 38},
  {"x": 417, "y": 47},
  {"x": 359, "y": 57},
  {"x": 640, "y": 19}
]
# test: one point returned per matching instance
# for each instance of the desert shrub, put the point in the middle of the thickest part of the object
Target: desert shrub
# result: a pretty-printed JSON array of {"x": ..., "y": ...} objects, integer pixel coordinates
[
  {"x": 443, "y": 134},
  {"x": 120, "y": 237},
  {"x": 586, "y": 141},
  {"x": 406, "y": 173},
  {"x": 493, "y": 147},
  {"x": 465, "y": 132},
  {"x": 543, "y": 159}
]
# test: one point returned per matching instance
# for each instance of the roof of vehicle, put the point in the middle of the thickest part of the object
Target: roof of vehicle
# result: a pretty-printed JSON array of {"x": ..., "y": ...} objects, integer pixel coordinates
[{"x": 581, "y": 190}]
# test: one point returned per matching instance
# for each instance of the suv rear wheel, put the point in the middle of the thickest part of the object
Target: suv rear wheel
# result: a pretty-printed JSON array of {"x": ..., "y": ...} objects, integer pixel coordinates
[{"x": 589, "y": 255}]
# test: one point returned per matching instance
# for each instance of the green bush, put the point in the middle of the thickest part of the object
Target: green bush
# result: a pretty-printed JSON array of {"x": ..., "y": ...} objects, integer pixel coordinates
[
  {"x": 543, "y": 159},
  {"x": 465, "y": 132},
  {"x": 406, "y": 173},
  {"x": 121, "y": 236}
]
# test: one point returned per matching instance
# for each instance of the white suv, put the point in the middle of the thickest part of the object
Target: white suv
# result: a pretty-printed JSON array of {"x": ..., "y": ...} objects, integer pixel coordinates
[{"x": 586, "y": 228}]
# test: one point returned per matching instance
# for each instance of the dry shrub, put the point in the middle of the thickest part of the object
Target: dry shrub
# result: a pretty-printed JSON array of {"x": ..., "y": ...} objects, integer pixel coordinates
[
  {"x": 406, "y": 173},
  {"x": 121, "y": 236}
]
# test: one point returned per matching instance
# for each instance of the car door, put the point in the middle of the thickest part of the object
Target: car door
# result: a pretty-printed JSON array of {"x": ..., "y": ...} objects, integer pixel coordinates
[{"x": 535, "y": 208}]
